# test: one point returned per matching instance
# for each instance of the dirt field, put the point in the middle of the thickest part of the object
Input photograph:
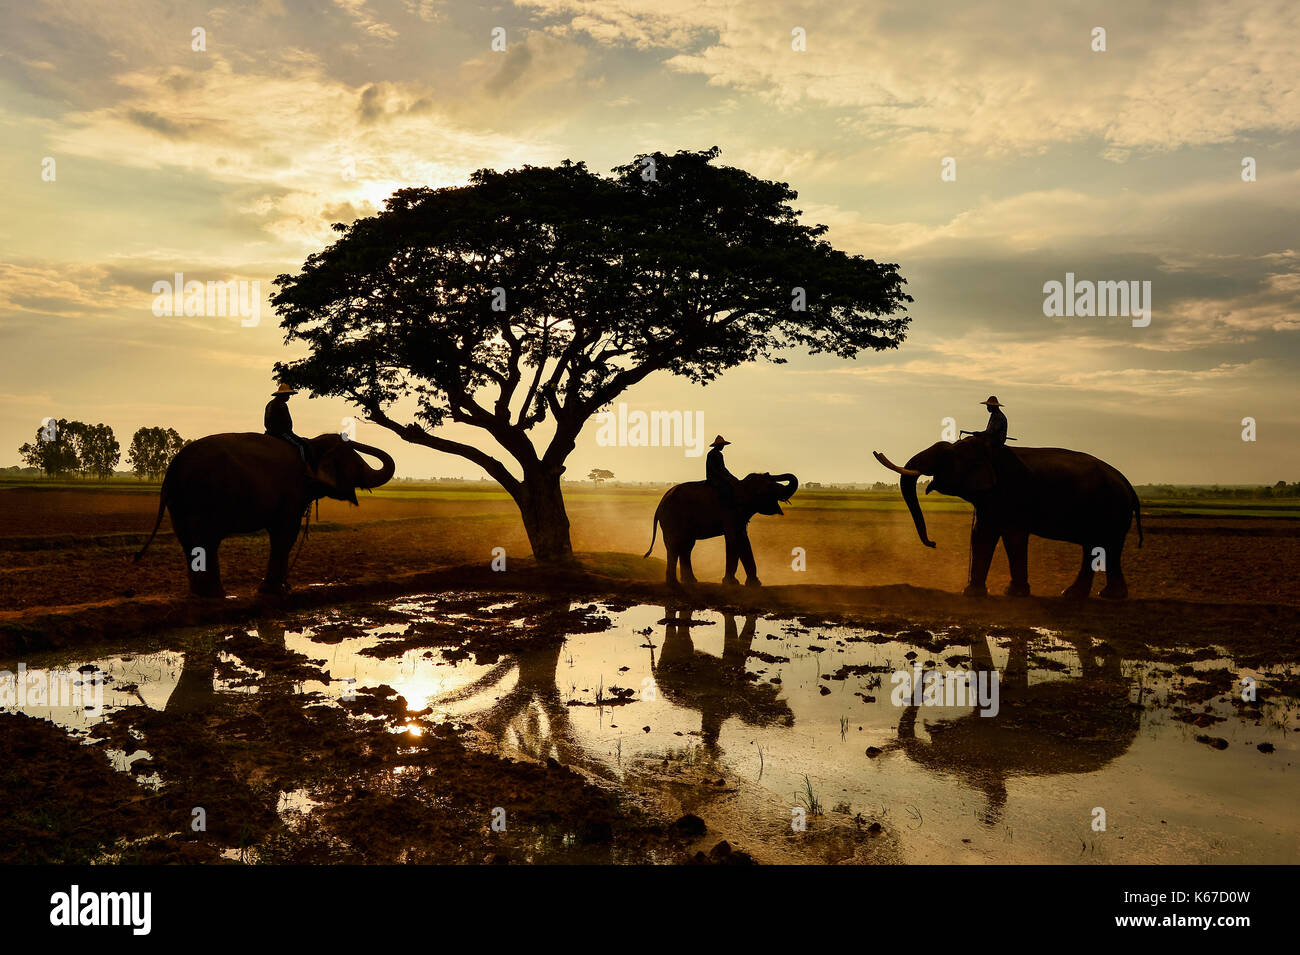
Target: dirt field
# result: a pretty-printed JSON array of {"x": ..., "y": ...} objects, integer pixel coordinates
[
  {"x": 71, "y": 595},
  {"x": 64, "y": 548}
]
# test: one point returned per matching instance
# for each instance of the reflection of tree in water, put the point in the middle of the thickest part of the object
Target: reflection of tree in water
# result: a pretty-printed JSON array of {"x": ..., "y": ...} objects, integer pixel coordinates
[
  {"x": 718, "y": 687},
  {"x": 1075, "y": 725},
  {"x": 532, "y": 717},
  {"x": 534, "y": 713}
]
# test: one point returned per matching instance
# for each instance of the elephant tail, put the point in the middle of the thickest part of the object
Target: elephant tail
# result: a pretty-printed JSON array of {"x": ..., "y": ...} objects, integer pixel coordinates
[
  {"x": 1137, "y": 513},
  {"x": 654, "y": 530},
  {"x": 162, "y": 504}
]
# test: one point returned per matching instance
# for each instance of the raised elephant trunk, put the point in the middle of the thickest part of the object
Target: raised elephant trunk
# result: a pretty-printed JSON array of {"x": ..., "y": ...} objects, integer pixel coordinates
[
  {"x": 908, "y": 485},
  {"x": 375, "y": 477},
  {"x": 791, "y": 483}
]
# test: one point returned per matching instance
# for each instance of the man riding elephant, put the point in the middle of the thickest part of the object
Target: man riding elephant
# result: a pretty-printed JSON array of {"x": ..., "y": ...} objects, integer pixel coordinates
[
  {"x": 279, "y": 423},
  {"x": 993, "y": 438},
  {"x": 716, "y": 473},
  {"x": 996, "y": 431}
]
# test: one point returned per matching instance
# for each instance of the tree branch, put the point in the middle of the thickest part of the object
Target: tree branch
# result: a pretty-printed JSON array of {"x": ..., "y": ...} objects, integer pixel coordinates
[{"x": 417, "y": 435}]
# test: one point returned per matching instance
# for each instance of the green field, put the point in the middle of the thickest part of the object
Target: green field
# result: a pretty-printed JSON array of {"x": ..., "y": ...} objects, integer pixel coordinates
[{"x": 1188, "y": 502}]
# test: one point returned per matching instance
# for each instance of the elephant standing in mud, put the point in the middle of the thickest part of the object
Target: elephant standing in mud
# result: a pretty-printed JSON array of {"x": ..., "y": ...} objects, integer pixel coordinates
[
  {"x": 695, "y": 511},
  {"x": 240, "y": 483},
  {"x": 1054, "y": 493}
]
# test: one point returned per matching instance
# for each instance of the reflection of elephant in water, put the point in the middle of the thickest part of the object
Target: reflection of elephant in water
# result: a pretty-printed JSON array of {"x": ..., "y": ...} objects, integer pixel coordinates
[
  {"x": 716, "y": 686},
  {"x": 1054, "y": 493},
  {"x": 240, "y": 483},
  {"x": 195, "y": 691},
  {"x": 695, "y": 511},
  {"x": 1060, "y": 726}
]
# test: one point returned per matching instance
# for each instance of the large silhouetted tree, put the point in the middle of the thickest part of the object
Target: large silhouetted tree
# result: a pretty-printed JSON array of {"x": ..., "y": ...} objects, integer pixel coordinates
[{"x": 538, "y": 295}]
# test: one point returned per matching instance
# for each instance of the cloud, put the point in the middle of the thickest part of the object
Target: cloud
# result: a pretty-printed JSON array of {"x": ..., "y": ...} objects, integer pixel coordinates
[
  {"x": 971, "y": 75},
  {"x": 233, "y": 163},
  {"x": 537, "y": 62},
  {"x": 359, "y": 12},
  {"x": 309, "y": 143},
  {"x": 59, "y": 289},
  {"x": 653, "y": 24}
]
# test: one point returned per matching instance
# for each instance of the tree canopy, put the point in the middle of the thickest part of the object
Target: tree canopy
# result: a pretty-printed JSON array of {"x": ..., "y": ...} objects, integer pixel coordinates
[
  {"x": 152, "y": 450},
  {"x": 540, "y": 294},
  {"x": 64, "y": 446},
  {"x": 52, "y": 450}
]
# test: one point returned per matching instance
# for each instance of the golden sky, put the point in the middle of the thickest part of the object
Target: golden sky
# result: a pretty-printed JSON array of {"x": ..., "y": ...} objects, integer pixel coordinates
[{"x": 230, "y": 163}]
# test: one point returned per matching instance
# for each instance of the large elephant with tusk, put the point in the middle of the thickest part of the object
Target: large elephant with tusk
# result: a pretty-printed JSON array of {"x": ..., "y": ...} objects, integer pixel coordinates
[
  {"x": 694, "y": 511},
  {"x": 240, "y": 483},
  {"x": 1052, "y": 492}
]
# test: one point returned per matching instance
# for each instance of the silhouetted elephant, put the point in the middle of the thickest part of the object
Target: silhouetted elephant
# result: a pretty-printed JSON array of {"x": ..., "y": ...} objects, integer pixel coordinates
[
  {"x": 692, "y": 512},
  {"x": 239, "y": 483},
  {"x": 1075, "y": 725},
  {"x": 1054, "y": 493}
]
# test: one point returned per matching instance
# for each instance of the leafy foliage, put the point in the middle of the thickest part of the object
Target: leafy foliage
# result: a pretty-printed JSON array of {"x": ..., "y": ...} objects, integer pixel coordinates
[
  {"x": 540, "y": 294},
  {"x": 54, "y": 454},
  {"x": 152, "y": 450},
  {"x": 97, "y": 449}
]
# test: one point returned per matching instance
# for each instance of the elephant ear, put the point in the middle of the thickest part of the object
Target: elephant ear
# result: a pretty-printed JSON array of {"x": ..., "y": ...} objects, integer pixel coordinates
[
  {"x": 327, "y": 474},
  {"x": 331, "y": 474}
]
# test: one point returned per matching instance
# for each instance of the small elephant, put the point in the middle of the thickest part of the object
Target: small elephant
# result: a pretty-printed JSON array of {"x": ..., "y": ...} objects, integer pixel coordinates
[
  {"x": 1052, "y": 492},
  {"x": 695, "y": 511},
  {"x": 240, "y": 483}
]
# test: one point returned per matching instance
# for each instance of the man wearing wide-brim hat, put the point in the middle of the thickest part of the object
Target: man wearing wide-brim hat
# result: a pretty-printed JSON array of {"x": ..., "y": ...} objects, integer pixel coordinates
[
  {"x": 996, "y": 432},
  {"x": 716, "y": 473},
  {"x": 279, "y": 422}
]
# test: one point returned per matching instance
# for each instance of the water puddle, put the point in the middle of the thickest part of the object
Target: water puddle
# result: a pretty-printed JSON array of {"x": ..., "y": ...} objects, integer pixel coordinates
[{"x": 765, "y": 726}]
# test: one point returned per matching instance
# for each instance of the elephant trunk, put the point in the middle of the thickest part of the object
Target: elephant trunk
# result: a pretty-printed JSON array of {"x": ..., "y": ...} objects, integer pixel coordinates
[
  {"x": 791, "y": 484},
  {"x": 908, "y": 484},
  {"x": 376, "y": 477}
]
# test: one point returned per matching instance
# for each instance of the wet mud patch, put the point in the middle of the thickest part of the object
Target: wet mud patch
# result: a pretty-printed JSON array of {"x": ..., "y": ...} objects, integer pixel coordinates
[
  {"x": 475, "y": 727},
  {"x": 486, "y": 627},
  {"x": 281, "y": 762}
]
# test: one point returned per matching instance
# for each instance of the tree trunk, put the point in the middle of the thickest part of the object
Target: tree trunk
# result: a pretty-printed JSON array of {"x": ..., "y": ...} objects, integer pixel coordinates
[{"x": 541, "y": 504}]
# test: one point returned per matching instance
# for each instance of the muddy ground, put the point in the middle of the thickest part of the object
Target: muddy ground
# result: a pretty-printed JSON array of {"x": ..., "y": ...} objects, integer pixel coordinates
[
  {"x": 68, "y": 591},
  {"x": 64, "y": 548}
]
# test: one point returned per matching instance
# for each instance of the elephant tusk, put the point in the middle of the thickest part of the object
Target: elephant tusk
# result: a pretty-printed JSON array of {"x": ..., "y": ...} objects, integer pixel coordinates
[{"x": 906, "y": 472}]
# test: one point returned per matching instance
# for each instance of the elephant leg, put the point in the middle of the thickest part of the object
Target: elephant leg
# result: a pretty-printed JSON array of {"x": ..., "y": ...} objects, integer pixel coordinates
[
  {"x": 688, "y": 572},
  {"x": 1082, "y": 586},
  {"x": 670, "y": 576},
  {"x": 277, "y": 567},
  {"x": 1016, "y": 543},
  {"x": 983, "y": 542},
  {"x": 733, "y": 554},
  {"x": 747, "y": 558},
  {"x": 203, "y": 563},
  {"x": 1116, "y": 587},
  {"x": 199, "y": 549}
]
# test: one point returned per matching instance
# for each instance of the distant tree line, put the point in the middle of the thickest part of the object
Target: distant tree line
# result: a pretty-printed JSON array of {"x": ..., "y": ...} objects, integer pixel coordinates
[
  {"x": 1264, "y": 492},
  {"x": 65, "y": 447}
]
